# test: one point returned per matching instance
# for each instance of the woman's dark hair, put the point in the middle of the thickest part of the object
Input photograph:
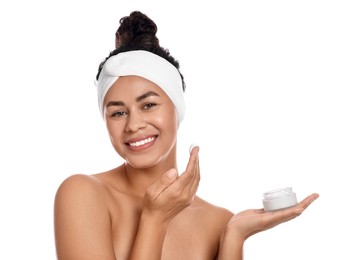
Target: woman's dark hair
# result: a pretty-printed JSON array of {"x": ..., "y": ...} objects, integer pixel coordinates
[{"x": 138, "y": 32}]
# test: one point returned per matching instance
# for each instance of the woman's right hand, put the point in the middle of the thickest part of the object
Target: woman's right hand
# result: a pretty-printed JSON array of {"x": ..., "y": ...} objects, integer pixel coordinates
[
  {"x": 171, "y": 194},
  {"x": 162, "y": 201}
]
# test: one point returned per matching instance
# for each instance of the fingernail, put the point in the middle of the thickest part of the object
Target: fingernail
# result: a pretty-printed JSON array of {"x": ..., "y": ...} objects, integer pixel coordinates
[{"x": 192, "y": 146}]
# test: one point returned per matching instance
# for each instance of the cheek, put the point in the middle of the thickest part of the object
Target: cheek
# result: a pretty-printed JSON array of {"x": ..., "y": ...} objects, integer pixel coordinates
[
  {"x": 115, "y": 132},
  {"x": 174, "y": 119},
  {"x": 169, "y": 121},
  {"x": 168, "y": 116}
]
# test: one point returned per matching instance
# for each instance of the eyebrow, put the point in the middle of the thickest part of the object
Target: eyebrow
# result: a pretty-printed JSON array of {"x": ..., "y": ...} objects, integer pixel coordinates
[
  {"x": 146, "y": 95},
  {"x": 138, "y": 99}
]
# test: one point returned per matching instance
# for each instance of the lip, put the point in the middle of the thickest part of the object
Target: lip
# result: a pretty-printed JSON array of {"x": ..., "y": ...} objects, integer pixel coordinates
[{"x": 146, "y": 142}]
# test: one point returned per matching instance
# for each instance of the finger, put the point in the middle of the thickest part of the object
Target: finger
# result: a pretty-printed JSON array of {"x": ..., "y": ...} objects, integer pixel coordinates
[
  {"x": 300, "y": 207},
  {"x": 190, "y": 169},
  {"x": 192, "y": 146},
  {"x": 186, "y": 182},
  {"x": 164, "y": 182},
  {"x": 196, "y": 179},
  {"x": 308, "y": 200},
  {"x": 293, "y": 212}
]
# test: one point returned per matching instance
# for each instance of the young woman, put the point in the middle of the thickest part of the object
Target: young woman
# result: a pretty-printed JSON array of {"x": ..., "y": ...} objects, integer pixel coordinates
[{"x": 144, "y": 209}]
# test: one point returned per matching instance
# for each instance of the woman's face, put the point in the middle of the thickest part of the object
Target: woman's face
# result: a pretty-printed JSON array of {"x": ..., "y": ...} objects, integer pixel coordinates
[{"x": 141, "y": 120}]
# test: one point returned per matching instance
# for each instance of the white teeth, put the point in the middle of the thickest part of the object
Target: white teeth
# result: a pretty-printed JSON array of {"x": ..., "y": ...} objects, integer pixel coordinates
[{"x": 142, "y": 142}]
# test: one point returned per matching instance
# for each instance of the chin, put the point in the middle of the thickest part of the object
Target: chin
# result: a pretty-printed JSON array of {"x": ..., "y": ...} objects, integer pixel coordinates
[{"x": 142, "y": 163}]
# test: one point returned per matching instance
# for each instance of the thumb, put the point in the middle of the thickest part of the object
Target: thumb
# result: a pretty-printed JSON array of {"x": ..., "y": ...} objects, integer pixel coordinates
[{"x": 164, "y": 182}]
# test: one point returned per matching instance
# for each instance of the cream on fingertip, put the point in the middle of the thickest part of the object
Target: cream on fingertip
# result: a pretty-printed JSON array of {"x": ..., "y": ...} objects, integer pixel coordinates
[{"x": 192, "y": 146}]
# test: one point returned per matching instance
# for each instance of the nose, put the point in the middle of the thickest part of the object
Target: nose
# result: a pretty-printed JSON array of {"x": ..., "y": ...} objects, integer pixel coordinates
[{"x": 135, "y": 121}]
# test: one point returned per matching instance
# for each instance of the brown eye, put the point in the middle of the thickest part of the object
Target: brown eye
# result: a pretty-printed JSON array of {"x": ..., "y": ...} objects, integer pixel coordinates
[
  {"x": 118, "y": 114},
  {"x": 149, "y": 106}
]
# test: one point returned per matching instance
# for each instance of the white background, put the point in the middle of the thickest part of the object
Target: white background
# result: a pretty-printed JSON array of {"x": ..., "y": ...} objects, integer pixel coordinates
[{"x": 265, "y": 102}]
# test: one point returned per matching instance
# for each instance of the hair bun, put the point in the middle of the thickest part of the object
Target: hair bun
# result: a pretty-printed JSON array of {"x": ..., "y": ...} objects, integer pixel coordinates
[{"x": 137, "y": 31}]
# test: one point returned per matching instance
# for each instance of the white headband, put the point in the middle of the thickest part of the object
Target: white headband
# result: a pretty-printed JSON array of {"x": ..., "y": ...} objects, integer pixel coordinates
[{"x": 147, "y": 65}]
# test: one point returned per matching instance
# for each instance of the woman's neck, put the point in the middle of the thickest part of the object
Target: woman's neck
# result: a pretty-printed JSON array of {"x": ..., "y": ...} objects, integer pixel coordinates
[{"x": 139, "y": 179}]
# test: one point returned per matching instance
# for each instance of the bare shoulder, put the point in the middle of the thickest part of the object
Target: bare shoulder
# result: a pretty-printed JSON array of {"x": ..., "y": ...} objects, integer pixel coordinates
[
  {"x": 81, "y": 217},
  {"x": 214, "y": 213},
  {"x": 76, "y": 180},
  {"x": 79, "y": 195},
  {"x": 78, "y": 185},
  {"x": 200, "y": 226}
]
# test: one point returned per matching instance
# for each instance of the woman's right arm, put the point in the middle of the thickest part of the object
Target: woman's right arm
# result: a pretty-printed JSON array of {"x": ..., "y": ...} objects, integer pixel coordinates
[
  {"x": 83, "y": 224},
  {"x": 81, "y": 221},
  {"x": 163, "y": 200}
]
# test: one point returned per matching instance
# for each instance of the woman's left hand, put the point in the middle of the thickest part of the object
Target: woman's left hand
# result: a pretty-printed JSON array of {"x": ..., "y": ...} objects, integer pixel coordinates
[{"x": 252, "y": 221}]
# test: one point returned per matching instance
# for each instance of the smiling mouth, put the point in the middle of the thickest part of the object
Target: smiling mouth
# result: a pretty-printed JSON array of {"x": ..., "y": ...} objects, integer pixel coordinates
[{"x": 142, "y": 142}]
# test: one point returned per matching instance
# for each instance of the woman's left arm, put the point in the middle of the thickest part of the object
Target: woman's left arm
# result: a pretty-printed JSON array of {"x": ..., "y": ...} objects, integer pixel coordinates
[{"x": 252, "y": 221}]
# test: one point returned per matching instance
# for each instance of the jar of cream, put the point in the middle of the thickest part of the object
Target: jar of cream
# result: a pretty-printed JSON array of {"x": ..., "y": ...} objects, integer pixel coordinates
[{"x": 279, "y": 199}]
